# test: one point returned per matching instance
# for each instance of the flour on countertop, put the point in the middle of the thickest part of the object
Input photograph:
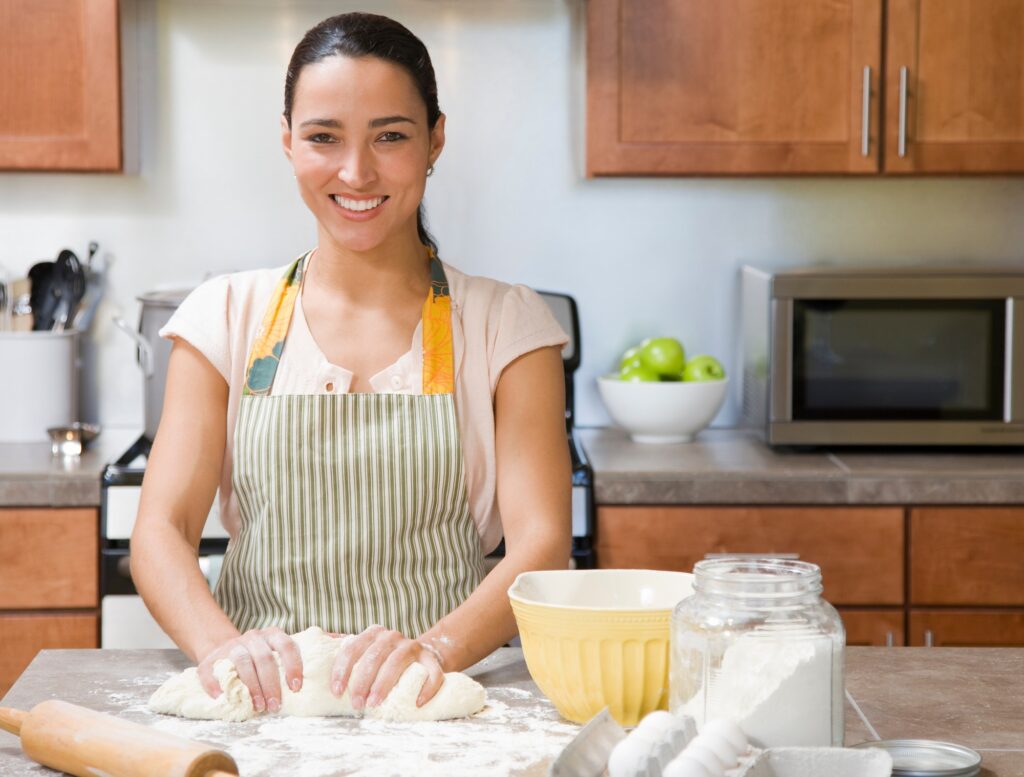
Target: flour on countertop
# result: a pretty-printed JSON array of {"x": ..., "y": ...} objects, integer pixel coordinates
[{"x": 513, "y": 732}]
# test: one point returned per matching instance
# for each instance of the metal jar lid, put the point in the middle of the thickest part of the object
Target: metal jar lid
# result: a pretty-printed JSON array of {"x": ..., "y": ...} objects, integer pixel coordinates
[
  {"x": 927, "y": 758},
  {"x": 164, "y": 298}
]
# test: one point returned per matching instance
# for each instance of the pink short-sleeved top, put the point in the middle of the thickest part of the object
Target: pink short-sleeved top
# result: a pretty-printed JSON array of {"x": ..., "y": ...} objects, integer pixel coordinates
[{"x": 493, "y": 323}]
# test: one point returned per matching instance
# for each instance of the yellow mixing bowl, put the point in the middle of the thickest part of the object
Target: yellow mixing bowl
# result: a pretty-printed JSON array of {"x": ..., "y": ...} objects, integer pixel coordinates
[{"x": 598, "y": 638}]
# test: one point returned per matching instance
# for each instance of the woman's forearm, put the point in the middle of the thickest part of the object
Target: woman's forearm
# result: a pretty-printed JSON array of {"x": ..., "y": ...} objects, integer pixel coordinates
[
  {"x": 484, "y": 622},
  {"x": 167, "y": 575}
]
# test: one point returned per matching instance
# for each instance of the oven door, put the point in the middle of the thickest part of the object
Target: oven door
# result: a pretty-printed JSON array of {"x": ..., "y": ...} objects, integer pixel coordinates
[{"x": 124, "y": 620}]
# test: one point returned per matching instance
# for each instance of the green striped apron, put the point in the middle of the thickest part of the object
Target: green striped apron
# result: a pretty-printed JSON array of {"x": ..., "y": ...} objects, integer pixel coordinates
[{"x": 353, "y": 506}]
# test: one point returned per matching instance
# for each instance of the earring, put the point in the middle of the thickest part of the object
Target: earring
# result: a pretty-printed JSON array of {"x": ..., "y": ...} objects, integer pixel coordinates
[{"x": 430, "y": 171}]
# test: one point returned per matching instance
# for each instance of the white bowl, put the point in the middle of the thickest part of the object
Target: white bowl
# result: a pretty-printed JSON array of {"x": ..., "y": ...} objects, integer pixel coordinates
[
  {"x": 662, "y": 411},
  {"x": 602, "y": 589}
]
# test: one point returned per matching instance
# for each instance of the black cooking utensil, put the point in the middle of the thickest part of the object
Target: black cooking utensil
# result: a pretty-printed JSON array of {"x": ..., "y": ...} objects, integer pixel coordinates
[
  {"x": 69, "y": 285},
  {"x": 41, "y": 296}
]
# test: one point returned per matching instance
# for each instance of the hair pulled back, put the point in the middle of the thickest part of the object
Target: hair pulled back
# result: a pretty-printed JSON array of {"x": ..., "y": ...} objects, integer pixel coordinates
[{"x": 368, "y": 35}]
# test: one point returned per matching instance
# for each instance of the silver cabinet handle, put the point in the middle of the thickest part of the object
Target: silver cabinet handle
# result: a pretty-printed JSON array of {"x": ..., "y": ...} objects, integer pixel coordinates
[
  {"x": 890, "y": 639},
  {"x": 902, "y": 143},
  {"x": 865, "y": 112},
  {"x": 929, "y": 639}
]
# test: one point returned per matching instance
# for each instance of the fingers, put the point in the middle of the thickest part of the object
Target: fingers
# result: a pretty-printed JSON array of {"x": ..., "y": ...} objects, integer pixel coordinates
[
  {"x": 348, "y": 654},
  {"x": 206, "y": 678},
  {"x": 365, "y": 668},
  {"x": 291, "y": 658},
  {"x": 390, "y": 670},
  {"x": 267, "y": 673},
  {"x": 435, "y": 678}
]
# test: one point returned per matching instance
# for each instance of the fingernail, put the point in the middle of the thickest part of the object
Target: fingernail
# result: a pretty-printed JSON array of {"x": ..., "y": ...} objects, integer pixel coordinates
[
  {"x": 296, "y": 684},
  {"x": 273, "y": 706},
  {"x": 372, "y": 700},
  {"x": 336, "y": 688},
  {"x": 257, "y": 702},
  {"x": 358, "y": 702}
]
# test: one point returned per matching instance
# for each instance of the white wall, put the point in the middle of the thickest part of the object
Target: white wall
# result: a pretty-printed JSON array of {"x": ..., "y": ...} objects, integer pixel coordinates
[{"x": 642, "y": 256}]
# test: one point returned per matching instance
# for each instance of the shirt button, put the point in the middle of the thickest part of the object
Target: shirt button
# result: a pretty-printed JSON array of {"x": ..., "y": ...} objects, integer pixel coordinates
[
  {"x": 397, "y": 382},
  {"x": 329, "y": 386}
]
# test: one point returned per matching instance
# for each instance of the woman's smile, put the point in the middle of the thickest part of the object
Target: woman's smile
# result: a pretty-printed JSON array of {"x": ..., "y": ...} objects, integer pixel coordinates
[{"x": 361, "y": 209}]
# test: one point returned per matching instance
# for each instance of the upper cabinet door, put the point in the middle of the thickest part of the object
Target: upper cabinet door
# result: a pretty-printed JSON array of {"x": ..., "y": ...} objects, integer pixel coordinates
[
  {"x": 955, "y": 86},
  {"x": 681, "y": 87},
  {"x": 60, "y": 106}
]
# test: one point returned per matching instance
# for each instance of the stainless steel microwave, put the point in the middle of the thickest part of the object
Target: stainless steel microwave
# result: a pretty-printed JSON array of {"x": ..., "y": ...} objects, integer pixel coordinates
[{"x": 895, "y": 356}]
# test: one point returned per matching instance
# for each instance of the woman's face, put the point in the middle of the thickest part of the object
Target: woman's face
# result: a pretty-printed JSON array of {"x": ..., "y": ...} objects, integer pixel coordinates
[{"x": 360, "y": 146}]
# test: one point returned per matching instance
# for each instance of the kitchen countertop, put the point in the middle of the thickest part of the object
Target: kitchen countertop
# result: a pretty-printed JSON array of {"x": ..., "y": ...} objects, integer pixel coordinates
[
  {"x": 965, "y": 695},
  {"x": 723, "y": 466},
  {"x": 733, "y": 466},
  {"x": 30, "y": 476}
]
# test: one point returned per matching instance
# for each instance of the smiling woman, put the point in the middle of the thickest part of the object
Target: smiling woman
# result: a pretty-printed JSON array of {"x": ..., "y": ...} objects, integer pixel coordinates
[{"x": 373, "y": 419}]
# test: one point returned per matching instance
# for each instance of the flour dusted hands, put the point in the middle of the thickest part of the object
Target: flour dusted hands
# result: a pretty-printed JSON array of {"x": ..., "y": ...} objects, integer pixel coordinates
[
  {"x": 370, "y": 664},
  {"x": 183, "y": 694},
  {"x": 252, "y": 655}
]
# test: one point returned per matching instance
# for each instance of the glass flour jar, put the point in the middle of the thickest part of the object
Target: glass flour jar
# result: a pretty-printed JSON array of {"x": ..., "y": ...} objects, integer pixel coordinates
[{"x": 757, "y": 644}]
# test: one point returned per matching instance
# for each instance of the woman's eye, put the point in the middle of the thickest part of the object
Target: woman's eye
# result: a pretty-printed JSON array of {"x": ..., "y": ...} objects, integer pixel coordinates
[
  {"x": 321, "y": 137},
  {"x": 391, "y": 137}
]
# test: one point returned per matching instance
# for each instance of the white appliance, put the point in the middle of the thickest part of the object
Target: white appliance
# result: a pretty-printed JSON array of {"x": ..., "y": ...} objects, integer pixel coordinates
[{"x": 124, "y": 620}]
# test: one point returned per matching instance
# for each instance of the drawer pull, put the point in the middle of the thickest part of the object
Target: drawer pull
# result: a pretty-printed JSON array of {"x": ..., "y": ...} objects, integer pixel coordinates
[
  {"x": 929, "y": 639},
  {"x": 890, "y": 639}
]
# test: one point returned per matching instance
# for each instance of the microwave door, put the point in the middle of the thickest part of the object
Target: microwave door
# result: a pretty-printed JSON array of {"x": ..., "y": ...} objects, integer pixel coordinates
[{"x": 898, "y": 360}]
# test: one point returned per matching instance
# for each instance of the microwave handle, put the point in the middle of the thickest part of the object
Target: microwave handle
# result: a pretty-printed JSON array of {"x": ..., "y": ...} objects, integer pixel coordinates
[
  {"x": 1013, "y": 375},
  {"x": 780, "y": 391}
]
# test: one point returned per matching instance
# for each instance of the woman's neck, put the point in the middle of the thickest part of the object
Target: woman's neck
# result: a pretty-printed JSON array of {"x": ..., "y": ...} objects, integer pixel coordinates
[{"x": 391, "y": 270}]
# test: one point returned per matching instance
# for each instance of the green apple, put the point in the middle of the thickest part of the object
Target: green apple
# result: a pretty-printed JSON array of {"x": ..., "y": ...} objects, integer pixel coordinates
[
  {"x": 630, "y": 357},
  {"x": 701, "y": 368},
  {"x": 637, "y": 373},
  {"x": 664, "y": 355}
]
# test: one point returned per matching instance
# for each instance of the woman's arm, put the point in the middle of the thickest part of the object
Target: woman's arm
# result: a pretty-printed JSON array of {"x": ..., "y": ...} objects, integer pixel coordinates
[
  {"x": 182, "y": 476},
  {"x": 534, "y": 498}
]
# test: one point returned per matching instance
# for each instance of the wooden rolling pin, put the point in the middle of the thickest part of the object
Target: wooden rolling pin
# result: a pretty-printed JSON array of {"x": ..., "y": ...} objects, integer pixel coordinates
[{"x": 85, "y": 743}]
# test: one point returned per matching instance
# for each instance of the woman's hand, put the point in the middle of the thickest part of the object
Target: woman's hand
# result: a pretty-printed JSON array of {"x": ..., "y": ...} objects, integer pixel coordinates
[
  {"x": 370, "y": 663},
  {"x": 252, "y": 655}
]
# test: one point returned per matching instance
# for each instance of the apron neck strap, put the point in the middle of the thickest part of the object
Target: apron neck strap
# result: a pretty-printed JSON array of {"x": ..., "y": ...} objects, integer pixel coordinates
[{"x": 438, "y": 353}]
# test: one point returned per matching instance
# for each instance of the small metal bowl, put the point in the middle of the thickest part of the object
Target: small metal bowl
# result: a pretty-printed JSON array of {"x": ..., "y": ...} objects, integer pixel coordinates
[{"x": 70, "y": 440}]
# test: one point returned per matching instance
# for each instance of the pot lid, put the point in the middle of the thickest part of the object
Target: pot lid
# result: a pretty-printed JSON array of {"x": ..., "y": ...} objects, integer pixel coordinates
[{"x": 164, "y": 298}]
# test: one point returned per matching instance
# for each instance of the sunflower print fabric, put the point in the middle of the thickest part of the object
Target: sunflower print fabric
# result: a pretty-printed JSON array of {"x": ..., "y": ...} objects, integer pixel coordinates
[
  {"x": 438, "y": 355},
  {"x": 266, "y": 352}
]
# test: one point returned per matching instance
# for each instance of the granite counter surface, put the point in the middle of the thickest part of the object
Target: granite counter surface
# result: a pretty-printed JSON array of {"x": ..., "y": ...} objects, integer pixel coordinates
[
  {"x": 30, "y": 476},
  {"x": 970, "y": 696},
  {"x": 731, "y": 466}
]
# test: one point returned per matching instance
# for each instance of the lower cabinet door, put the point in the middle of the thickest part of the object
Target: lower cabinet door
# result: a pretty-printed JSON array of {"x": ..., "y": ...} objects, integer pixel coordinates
[
  {"x": 876, "y": 628},
  {"x": 967, "y": 628},
  {"x": 25, "y": 634}
]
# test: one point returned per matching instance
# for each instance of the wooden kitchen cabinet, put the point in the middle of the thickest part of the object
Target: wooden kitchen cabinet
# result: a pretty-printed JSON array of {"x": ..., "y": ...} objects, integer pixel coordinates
[
  {"x": 688, "y": 87},
  {"x": 878, "y": 628},
  {"x": 60, "y": 91},
  {"x": 737, "y": 86},
  {"x": 962, "y": 97},
  {"x": 967, "y": 628},
  {"x": 967, "y": 556},
  {"x": 49, "y": 584},
  {"x": 24, "y": 635},
  {"x": 860, "y": 549}
]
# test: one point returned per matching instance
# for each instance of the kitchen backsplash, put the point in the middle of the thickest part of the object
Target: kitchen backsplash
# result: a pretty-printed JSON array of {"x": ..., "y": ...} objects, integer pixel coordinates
[{"x": 213, "y": 191}]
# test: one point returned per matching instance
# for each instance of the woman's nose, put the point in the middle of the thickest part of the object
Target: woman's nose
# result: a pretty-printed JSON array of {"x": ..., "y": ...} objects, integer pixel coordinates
[{"x": 357, "y": 168}]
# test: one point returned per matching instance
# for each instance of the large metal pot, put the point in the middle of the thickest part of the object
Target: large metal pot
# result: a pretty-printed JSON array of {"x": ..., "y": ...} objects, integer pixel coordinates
[{"x": 153, "y": 351}]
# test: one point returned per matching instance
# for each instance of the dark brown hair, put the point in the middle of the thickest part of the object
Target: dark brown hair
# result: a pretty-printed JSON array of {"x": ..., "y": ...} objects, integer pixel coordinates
[{"x": 368, "y": 35}]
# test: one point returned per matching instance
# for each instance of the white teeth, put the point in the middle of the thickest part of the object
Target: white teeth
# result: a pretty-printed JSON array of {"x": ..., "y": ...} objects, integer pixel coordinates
[{"x": 358, "y": 205}]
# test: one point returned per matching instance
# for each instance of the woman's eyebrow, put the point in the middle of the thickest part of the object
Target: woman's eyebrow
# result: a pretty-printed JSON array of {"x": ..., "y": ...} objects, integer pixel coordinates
[
  {"x": 390, "y": 120},
  {"x": 335, "y": 124}
]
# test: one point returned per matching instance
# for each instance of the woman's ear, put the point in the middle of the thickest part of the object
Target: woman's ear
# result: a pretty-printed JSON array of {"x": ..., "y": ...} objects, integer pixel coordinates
[
  {"x": 437, "y": 139},
  {"x": 286, "y": 137}
]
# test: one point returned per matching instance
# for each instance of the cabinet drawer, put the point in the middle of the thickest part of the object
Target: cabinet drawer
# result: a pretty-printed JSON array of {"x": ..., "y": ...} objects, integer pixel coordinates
[
  {"x": 860, "y": 550},
  {"x": 967, "y": 555},
  {"x": 877, "y": 628},
  {"x": 22, "y": 636},
  {"x": 49, "y": 558},
  {"x": 967, "y": 628}
]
